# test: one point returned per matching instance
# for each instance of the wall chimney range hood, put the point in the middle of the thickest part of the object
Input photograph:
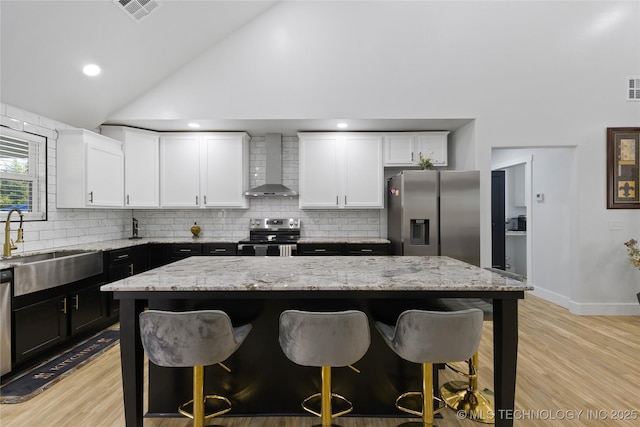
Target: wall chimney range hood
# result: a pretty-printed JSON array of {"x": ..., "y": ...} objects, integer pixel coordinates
[{"x": 273, "y": 171}]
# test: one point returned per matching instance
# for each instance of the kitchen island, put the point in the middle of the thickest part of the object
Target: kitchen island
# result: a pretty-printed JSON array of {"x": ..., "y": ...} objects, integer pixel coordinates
[{"x": 257, "y": 289}]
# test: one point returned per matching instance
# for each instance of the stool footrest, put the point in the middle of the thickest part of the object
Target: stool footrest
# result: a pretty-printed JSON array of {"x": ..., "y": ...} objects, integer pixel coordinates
[
  {"x": 441, "y": 403},
  {"x": 224, "y": 410},
  {"x": 333, "y": 395}
]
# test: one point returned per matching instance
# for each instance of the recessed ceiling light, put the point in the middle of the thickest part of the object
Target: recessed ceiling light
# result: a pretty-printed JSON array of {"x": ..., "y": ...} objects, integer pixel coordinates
[
  {"x": 342, "y": 125},
  {"x": 91, "y": 70},
  {"x": 193, "y": 125}
]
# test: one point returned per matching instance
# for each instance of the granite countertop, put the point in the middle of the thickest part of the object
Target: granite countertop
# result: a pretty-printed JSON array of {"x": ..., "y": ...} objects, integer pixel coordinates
[
  {"x": 355, "y": 240},
  {"x": 110, "y": 245},
  {"x": 360, "y": 273}
]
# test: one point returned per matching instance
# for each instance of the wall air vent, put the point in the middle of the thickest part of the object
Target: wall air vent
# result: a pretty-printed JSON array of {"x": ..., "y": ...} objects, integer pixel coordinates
[
  {"x": 137, "y": 9},
  {"x": 633, "y": 89}
]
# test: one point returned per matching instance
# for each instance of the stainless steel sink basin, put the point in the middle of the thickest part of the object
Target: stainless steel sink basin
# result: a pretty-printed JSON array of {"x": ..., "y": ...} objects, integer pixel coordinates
[
  {"x": 27, "y": 259},
  {"x": 50, "y": 269}
]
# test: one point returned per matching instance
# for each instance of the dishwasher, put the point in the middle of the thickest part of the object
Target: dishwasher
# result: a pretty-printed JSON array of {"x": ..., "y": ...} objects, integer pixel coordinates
[{"x": 5, "y": 321}]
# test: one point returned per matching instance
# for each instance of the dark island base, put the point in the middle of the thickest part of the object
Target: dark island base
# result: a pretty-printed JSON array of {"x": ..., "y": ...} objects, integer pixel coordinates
[{"x": 264, "y": 382}]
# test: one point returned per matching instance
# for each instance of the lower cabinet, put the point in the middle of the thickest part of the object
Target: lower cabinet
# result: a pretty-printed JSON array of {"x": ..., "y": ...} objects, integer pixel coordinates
[
  {"x": 366, "y": 249},
  {"x": 351, "y": 249},
  {"x": 319, "y": 249},
  {"x": 122, "y": 263},
  {"x": 219, "y": 249},
  {"x": 184, "y": 250},
  {"x": 87, "y": 309},
  {"x": 39, "y": 326},
  {"x": 46, "y": 319}
]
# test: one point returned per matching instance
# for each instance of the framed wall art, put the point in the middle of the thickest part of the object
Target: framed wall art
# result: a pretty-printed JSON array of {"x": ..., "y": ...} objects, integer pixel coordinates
[{"x": 623, "y": 168}]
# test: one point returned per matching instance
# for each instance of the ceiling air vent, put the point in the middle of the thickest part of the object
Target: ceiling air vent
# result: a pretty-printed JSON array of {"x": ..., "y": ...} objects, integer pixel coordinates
[
  {"x": 137, "y": 9},
  {"x": 633, "y": 89}
]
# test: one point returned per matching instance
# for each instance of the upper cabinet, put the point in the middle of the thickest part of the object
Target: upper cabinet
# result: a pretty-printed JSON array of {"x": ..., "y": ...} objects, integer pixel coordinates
[
  {"x": 199, "y": 170},
  {"x": 341, "y": 170},
  {"x": 225, "y": 175},
  {"x": 141, "y": 165},
  {"x": 90, "y": 170},
  {"x": 404, "y": 148}
]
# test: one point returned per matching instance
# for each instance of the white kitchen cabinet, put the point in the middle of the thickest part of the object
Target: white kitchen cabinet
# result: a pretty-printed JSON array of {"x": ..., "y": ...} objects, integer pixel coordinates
[
  {"x": 341, "y": 170},
  {"x": 398, "y": 149},
  {"x": 180, "y": 170},
  {"x": 141, "y": 165},
  {"x": 90, "y": 170},
  {"x": 204, "y": 170},
  {"x": 404, "y": 148},
  {"x": 225, "y": 176}
]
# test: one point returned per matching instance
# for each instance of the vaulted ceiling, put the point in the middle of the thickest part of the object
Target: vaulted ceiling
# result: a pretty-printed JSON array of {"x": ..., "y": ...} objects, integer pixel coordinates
[{"x": 45, "y": 44}]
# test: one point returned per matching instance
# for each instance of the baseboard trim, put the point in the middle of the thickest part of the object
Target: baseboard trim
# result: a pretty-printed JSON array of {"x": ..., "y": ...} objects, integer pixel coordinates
[{"x": 589, "y": 309}]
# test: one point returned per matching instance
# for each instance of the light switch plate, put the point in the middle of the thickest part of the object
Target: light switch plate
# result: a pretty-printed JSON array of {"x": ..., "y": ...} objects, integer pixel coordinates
[
  {"x": 615, "y": 224},
  {"x": 539, "y": 197}
]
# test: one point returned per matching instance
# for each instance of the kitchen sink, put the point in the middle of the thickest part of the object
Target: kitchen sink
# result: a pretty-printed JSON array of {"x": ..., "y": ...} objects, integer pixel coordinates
[
  {"x": 27, "y": 259},
  {"x": 47, "y": 270}
]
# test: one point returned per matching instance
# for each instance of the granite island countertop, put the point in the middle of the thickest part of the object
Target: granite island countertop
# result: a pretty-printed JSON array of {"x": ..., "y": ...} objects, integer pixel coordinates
[{"x": 343, "y": 273}]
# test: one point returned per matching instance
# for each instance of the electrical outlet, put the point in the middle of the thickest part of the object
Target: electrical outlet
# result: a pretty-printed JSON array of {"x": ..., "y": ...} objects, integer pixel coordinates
[{"x": 539, "y": 197}]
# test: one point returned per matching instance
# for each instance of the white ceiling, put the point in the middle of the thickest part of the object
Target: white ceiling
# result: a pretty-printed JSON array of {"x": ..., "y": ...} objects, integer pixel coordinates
[{"x": 44, "y": 45}]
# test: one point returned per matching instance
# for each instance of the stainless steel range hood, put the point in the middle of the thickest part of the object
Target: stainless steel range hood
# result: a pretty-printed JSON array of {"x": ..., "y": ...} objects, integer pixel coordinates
[{"x": 273, "y": 171}]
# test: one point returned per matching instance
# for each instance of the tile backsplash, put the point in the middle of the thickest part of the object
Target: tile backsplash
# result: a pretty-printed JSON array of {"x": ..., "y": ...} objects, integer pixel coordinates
[{"x": 72, "y": 226}]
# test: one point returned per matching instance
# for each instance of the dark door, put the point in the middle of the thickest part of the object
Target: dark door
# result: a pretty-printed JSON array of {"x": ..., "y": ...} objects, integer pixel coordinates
[
  {"x": 87, "y": 308},
  {"x": 497, "y": 220},
  {"x": 40, "y": 326}
]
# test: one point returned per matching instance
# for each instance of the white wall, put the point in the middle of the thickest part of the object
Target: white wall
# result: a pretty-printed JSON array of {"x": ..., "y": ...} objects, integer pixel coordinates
[
  {"x": 551, "y": 223},
  {"x": 531, "y": 74},
  {"x": 64, "y": 226}
]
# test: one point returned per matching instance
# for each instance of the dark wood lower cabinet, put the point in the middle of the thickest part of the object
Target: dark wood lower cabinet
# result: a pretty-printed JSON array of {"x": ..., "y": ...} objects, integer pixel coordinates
[
  {"x": 48, "y": 319},
  {"x": 351, "y": 249},
  {"x": 88, "y": 310},
  {"x": 39, "y": 327}
]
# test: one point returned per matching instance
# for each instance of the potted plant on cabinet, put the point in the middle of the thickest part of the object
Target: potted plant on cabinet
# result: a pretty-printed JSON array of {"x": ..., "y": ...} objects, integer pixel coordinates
[{"x": 634, "y": 256}]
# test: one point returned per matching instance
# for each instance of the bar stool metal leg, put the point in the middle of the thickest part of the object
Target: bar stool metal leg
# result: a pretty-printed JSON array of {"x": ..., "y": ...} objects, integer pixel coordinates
[
  {"x": 326, "y": 396},
  {"x": 427, "y": 413},
  {"x": 198, "y": 396}
]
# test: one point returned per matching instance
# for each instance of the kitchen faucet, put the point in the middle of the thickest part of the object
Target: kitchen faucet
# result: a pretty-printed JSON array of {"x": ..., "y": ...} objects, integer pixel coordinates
[
  {"x": 9, "y": 245},
  {"x": 134, "y": 229}
]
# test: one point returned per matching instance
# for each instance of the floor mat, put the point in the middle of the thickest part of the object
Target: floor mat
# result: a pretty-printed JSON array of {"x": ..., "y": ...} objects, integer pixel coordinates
[{"x": 39, "y": 378}]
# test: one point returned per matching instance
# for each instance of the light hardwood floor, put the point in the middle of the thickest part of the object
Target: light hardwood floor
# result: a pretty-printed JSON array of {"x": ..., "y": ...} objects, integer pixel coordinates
[{"x": 566, "y": 364}]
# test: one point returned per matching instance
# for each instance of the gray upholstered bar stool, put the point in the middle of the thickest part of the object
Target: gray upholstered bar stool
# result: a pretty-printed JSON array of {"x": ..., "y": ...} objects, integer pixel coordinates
[
  {"x": 429, "y": 337},
  {"x": 324, "y": 340},
  {"x": 465, "y": 395},
  {"x": 191, "y": 339}
]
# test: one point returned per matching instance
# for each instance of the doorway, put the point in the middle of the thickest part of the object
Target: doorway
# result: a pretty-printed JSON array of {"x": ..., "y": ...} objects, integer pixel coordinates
[{"x": 544, "y": 199}]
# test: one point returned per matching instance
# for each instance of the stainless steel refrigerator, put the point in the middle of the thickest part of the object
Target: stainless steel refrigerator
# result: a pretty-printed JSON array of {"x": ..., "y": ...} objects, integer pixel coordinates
[{"x": 435, "y": 213}]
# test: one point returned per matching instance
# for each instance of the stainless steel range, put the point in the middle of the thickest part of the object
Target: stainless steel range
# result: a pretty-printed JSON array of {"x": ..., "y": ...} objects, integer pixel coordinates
[{"x": 271, "y": 237}]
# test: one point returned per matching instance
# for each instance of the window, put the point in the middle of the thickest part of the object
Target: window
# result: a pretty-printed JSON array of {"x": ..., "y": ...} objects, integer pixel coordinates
[{"x": 23, "y": 174}]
